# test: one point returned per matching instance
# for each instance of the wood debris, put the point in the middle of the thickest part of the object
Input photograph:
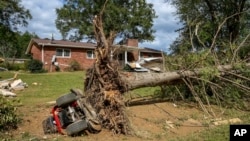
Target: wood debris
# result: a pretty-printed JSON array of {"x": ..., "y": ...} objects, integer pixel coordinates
[{"x": 7, "y": 86}]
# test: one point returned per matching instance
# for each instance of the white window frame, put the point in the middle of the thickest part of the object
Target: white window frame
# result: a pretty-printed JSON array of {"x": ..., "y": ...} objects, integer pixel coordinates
[
  {"x": 63, "y": 53},
  {"x": 90, "y": 54}
]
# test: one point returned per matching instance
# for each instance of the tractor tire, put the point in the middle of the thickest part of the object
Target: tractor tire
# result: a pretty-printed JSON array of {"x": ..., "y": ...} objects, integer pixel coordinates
[
  {"x": 66, "y": 99},
  {"x": 76, "y": 127}
]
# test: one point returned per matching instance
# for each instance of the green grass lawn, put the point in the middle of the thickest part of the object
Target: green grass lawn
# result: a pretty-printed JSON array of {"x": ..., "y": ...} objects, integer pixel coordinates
[{"x": 49, "y": 85}]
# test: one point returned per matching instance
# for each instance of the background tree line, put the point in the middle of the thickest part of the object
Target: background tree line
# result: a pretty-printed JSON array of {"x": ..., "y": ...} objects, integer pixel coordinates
[{"x": 13, "y": 43}]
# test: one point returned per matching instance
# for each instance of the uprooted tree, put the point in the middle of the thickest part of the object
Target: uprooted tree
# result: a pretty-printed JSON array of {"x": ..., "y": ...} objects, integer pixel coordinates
[{"x": 105, "y": 84}]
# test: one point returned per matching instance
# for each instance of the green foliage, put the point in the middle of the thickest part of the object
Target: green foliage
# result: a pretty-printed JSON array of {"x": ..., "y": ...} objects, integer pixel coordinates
[
  {"x": 239, "y": 67},
  {"x": 127, "y": 19},
  {"x": 8, "y": 117},
  {"x": 22, "y": 43},
  {"x": 209, "y": 73},
  {"x": 35, "y": 66},
  {"x": 11, "y": 66},
  {"x": 74, "y": 66},
  {"x": 8, "y": 40},
  {"x": 12, "y": 15},
  {"x": 234, "y": 95},
  {"x": 189, "y": 61},
  {"x": 244, "y": 52},
  {"x": 57, "y": 68},
  {"x": 14, "y": 44},
  {"x": 14, "y": 67}
]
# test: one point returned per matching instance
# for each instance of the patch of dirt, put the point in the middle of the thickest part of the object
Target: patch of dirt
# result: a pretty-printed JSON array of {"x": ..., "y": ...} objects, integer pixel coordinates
[{"x": 158, "y": 121}]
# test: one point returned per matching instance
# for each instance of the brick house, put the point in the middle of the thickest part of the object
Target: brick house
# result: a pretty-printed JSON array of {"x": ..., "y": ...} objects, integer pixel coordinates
[{"x": 62, "y": 53}]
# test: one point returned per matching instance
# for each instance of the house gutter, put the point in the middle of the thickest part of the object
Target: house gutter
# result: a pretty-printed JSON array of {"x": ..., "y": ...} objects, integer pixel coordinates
[
  {"x": 71, "y": 46},
  {"x": 128, "y": 48}
]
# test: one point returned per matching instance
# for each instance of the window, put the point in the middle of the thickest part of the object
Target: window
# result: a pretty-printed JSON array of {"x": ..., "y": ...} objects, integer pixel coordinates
[
  {"x": 62, "y": 52},
  {"x": 90, "y": 54}
]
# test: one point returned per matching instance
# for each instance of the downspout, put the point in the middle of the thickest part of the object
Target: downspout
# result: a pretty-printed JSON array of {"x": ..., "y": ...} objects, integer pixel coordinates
[
  {"x": 126, "y": 57},
  {"x": 43, "y": 53}
]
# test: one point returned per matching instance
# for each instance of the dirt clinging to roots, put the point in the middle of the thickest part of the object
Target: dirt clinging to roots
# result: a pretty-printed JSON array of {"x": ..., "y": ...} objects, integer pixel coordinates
[{"x": 104, "y": 90}]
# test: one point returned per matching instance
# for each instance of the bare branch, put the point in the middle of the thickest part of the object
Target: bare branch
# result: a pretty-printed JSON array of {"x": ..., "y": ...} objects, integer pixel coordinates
[{"x": 238, "y": 48}]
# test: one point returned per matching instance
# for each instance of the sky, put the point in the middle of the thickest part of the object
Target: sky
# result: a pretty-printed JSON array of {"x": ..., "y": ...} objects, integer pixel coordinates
[{"x": 44, "y": 15}]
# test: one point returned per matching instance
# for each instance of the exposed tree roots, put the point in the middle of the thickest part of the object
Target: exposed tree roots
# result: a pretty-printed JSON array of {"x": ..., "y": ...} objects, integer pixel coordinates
[{"x": 104, "y": 89}]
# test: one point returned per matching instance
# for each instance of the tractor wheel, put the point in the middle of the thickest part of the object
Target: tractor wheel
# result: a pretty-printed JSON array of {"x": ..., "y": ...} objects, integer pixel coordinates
[
  {"x": 76, "y": 127},
  {"x": 65, "y": 99}
]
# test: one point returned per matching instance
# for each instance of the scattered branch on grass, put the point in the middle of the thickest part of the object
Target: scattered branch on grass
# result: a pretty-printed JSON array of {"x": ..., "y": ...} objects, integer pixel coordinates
[
  {"x": 179, "y": 93},
  {"x": 242, "y": 87},
  {"x": 238, "y": 48},
  {"x": 237, "y": 75},
  {"x": 207, "y": 81}
]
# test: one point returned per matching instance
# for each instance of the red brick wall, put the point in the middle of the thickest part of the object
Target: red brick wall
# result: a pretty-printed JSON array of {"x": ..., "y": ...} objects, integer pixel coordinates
[
  {"x": 36, "y": 52},
  {"x": 135, "y": 53},
  {"x": 132, "y": 42},
  {"x": 48, "y": 54},
  {"x": 80, "y": 55}
]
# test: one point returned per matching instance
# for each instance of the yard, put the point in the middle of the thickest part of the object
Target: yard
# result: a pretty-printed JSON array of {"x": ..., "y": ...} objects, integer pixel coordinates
[{"x": 158, "y": 121}]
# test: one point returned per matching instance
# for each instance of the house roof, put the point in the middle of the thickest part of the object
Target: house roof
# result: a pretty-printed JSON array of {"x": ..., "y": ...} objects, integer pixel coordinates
[
  {"x": 141, "y": 49},
  {"x": 70, "y": 44},
  {"x": 59, "y": 43}
]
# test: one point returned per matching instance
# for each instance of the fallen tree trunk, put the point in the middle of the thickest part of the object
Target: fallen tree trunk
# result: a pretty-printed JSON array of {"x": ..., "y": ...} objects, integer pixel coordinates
[{"x": 139, "y": 80}]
